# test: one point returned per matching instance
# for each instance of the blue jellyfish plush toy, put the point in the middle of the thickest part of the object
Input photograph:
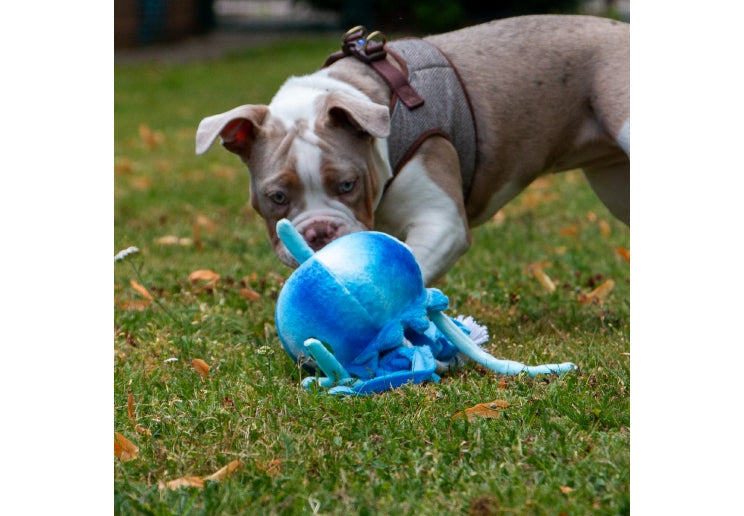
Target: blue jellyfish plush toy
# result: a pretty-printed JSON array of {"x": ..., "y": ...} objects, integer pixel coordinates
[{"x": 358, "y": 312}]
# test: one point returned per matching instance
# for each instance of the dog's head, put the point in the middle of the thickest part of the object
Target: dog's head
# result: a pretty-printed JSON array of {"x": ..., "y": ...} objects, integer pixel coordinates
[{"x": 317, "y": 156}]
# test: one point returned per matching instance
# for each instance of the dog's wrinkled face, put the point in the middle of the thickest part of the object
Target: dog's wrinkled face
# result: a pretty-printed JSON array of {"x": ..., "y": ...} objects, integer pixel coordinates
[{"x": 316, "y": 158}]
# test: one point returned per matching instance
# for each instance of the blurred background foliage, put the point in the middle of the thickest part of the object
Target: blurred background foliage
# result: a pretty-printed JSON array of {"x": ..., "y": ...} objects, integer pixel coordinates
[{"x": 436, "y": 15}]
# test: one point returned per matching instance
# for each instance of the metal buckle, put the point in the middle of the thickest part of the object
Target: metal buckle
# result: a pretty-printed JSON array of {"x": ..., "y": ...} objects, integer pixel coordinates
[{"x": 356, "y": 42}]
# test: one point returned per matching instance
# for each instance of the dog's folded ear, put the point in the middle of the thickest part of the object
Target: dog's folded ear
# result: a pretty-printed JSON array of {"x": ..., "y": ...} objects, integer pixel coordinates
[
  {"x": 237, "y": 128},
  {"x": 362, "y": 115}
]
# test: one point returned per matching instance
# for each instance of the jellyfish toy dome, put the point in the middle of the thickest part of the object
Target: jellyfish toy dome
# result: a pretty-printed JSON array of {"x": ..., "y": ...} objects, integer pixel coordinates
[{"x": 357, "y": 313}]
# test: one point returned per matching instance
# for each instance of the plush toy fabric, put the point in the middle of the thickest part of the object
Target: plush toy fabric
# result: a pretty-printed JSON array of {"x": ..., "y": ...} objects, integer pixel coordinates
[{"x": 358, "y": 311}]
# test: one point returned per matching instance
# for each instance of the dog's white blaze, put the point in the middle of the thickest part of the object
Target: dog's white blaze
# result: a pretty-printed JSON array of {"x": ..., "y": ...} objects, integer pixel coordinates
[{"x": 308, "y": 157}]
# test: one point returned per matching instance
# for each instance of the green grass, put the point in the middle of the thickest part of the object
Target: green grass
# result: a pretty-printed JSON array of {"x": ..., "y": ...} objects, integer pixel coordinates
[{"x": 561, "y": 447}]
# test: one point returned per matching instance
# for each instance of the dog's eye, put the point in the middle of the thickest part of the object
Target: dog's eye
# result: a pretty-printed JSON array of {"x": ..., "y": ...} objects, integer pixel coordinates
[
  {"x": 278, "y": 197},
  {"x": 346, "y": 187}
]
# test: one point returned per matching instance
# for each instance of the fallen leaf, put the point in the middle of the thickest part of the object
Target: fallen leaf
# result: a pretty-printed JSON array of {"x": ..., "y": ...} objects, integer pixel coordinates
[
  {"x": 249, "y": 294},
  {"x": 124, "y": 449},
  {"x": 490, "y": 409},
  {"x": 536, "y": 270},
  {"x": 130, "y": 412},
  {"x": 208, "y": 278},
  {"x": 206, "y": 223},
  {"x": 272, "y": 468},
  {"x": 569, "y": 231},
  {"x": 182, "y": 482},
  {"x": 604, "y": 228},
  {"x": 224, "y": 471},
  {"x": 204, "y": 275},
  {"x": 499, "y": 218},
  {"x": 140, "y": 183},
  {"x": 625, "y": 253},
  {"x": 591, "y": 216},
  {"x": 566, "y": 489},
  {"x": 196, "y": 232},
  {"x": 141, "y": 289},
  {"x": 149, "y": 137},
  {"x": 174, "y": 240},
  {"x": 122, "y": 166},
  {"x": 137, "y": 305},
  {"x": 200, "y": 366},
  {"x": 598, "y": 294},
  {"x": 198, "y": 482}
]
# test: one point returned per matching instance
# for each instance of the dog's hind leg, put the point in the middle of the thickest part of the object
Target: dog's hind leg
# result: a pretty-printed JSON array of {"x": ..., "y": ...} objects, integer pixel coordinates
[{"x": 611, "y": 183}]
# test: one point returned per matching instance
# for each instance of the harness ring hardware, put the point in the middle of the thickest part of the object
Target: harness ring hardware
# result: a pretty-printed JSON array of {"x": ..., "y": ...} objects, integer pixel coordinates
[{"x": 373, "y": 35}]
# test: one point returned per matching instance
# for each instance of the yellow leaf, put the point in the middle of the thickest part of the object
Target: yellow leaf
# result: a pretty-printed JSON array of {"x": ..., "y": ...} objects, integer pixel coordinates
[
  {"x": 598, "y": 294},
  {"x": 200, "y": 366},
  {"x": 124, "y": 449},
  {"x": 536, "y": 270},
  {"x": 141, "y": 290},
  {"x": 490, "y": 409},
  {"x": 223, "y": 472}
]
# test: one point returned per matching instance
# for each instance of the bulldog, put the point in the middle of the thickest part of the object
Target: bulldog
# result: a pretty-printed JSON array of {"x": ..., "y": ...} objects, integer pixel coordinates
[{"x": 424, "y": 139}]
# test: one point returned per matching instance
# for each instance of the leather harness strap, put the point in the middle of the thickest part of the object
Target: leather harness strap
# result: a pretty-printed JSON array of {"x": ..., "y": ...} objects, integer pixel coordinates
[{"x": 374, "y": 54}]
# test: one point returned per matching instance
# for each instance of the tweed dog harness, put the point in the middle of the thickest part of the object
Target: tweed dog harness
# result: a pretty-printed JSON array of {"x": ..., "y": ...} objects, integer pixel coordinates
[{"x": 428, "y": 97}]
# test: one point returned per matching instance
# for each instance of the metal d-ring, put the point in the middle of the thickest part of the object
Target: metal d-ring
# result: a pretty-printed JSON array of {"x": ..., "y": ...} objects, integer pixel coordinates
[
  {"x": 373, "y": 35},
  {"x": 354, "y": 30}
]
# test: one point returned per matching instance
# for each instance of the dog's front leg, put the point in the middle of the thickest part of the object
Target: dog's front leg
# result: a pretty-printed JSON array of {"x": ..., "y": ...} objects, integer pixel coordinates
[{"x": 424, "y": 207}]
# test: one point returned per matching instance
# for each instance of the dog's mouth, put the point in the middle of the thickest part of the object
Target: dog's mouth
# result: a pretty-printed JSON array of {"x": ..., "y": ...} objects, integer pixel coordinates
[{"x": 318, "y": 230}]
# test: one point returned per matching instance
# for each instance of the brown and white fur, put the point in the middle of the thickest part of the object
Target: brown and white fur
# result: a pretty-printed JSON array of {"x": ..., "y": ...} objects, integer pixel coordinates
[{"x": 549, "y": 93}]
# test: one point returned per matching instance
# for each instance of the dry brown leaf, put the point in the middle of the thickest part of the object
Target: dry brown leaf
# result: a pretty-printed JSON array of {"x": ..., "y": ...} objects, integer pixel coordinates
[
  {"x": 206, "y": 223},
  {"x": 198, "y": 482},
  {"x": 140, "y": 183},
  {"x": 224, "y": 471},
  {"x": 569, "y": 231},
  {"x": 122, "y": 166},
  {"x": 536, "y": 270},
  {"x": 130, "y": 412},
  {"x": 272, "y": 468},
  {"x": 566, "y": 489},
  {"x": 124, "y": 449},
  {"x": 200, "y": 366},
  {"x": 137, "y": 305},
  {"x": 141, "y": 289},
  {"x": 204, "y": 275},
  {"x": 249, "y": 294},
  {"x": 174, "y": 240},
  {"x": 499, "y": 218},
  {"x": 149, "y": 137},
  {"x": 604, "y": 228},
  {"x": 490, "y": 409},
  {"x": 591, "y": 216},
  {"x": 625, "y": 253},
  {"x": 182, "y": 482},
  {"x": 598, "y": 294}
]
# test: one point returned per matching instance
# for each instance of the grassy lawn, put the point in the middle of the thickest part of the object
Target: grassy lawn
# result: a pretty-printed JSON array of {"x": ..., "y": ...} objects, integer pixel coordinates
[{"x": 561, "y": 447}]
